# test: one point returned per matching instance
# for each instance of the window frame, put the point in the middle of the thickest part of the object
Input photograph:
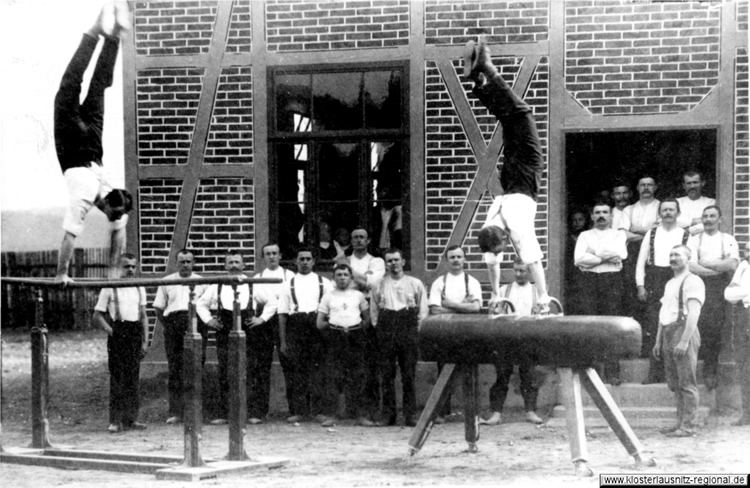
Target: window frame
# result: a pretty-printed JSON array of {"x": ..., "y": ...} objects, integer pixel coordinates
[{"x": 362, "y": 137}]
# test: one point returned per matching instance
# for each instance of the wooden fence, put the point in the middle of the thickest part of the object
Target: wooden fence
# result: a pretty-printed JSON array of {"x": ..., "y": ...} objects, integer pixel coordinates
[{"x": 64, "y": 309}]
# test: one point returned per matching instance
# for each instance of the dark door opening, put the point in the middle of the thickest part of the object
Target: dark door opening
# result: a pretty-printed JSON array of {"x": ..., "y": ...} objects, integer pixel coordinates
[{"x": 594, "y": 161}]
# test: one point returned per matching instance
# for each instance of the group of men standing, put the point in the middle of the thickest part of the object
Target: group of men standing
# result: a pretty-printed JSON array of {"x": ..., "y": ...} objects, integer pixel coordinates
[{"x": 665, "y": 263}]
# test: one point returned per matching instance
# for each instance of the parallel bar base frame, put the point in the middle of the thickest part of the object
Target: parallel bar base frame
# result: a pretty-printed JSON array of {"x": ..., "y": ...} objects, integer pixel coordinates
[{"x": 163, "y": 466}]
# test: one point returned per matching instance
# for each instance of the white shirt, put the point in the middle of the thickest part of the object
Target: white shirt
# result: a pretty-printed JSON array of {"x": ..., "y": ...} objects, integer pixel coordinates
[
  {"x": 267, "y": 294},
  {"x": 306, "y": 291},
  {"x": 129, "y": 301},
  {"x": 455, "y": 289},
  {"x": 390, "y": 294},
  {"x": 176, "y": 298},
  {"x": 643, "y": 216},
  {"x": 343, "y": 307},
  {"x": 620, "y": 219},
  {"x": 664, "y": 241},
  {"x": 709, "y": 247},
  {"x": 693, "y": 209},
  {"x": 210, "y": 300},
  {"x": 370, "y": 266},
  {"x": 592, "y": 242},
  {"x": 693, "y": 289},
  {"x": 739, "y": 288},
  {"x": 522, "y": 297}
]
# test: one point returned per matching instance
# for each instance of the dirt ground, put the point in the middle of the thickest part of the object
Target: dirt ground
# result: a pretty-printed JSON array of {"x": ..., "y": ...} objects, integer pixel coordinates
[{"x": 511, "y": 454}]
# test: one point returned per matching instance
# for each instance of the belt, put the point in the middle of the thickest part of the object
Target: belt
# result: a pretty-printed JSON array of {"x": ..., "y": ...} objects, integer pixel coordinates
[{"x": 345, "y": 330}]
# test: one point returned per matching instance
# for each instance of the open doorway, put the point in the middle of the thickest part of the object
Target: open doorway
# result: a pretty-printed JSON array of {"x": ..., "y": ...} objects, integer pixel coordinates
[{"x": 594, "y": 161}]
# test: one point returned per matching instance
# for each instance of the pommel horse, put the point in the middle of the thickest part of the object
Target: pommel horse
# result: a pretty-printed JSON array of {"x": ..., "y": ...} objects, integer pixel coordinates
[{"x": 572, "y": 344}]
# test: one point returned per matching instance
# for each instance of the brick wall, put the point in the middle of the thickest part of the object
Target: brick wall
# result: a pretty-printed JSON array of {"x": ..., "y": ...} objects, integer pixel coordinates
[
  {"x": 636, "y": 58},
  {"x": 223, "y": 219},
  {"x": 741, "y": 150},
  {"x": 742, "y": 8},
  {"x": 158, "y": 200},
  {"x": 230, "y": 138},
  {"x": 240, "y": 31},
  {"x": 167, "y": 105},
  {"x": 457, "y": 21},
  {"x": 302, "y": 25},
  {"x": 173, "y": 28},
  {"x": 450, "y": 165}
]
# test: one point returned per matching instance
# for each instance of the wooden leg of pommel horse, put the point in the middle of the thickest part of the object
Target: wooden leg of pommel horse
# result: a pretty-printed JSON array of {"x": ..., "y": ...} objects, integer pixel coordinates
[
  {"x": 438, "y": 397},
  {"x": 607, "y": 406},
  {"x": 470, "y": 376},
  {"x": 571, "y": 393}
]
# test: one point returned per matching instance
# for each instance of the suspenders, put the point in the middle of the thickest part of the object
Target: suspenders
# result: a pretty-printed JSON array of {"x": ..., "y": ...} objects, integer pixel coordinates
[
  {"x": 445, "y": 285},
  {"x": 220, "y": 307},
  {"x": 700, "y": 243},
  {"x": 118, "y": 316},
  {"x": 652, "y": 236},
  {"x": 294, "y": 292}
]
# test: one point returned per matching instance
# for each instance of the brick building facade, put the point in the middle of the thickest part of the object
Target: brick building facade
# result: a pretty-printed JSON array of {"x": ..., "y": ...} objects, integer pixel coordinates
[{"x": 203, "y": 80}]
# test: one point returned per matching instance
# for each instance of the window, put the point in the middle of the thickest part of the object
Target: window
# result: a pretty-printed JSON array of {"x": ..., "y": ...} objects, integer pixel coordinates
[{"x": 338, "y": 141}]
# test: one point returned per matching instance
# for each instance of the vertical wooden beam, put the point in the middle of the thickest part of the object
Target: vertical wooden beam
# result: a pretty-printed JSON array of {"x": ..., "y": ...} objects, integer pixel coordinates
[
  {"x": 417, "y": 232},
  {"x": 260, "y": 127},
  {"x": 130, "y": 129},
  {"x": 725, "y": 142},
  {"x": 202, "y": 126},
  {"x": 556, "y": 149}
]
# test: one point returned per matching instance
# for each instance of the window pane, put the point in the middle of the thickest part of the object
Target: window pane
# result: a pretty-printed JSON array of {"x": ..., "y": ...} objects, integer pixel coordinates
[
  {"x": 386, "y": 166},
  {"x": 337, "y": 103},
  {"x": 293, "y": 103},
  {"x": 338, "y": 184},
  {"x": 383, "y": 99},
  {"x": 293, "y": 164}
]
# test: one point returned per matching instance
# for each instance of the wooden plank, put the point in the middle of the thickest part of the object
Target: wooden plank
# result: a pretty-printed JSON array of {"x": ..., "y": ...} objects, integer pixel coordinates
[
  {"x": 539, "y": 48},
  {"x": 130, "y": 282},
  {"x": 200, "y": 134},
  {"x": 178, "y": 172},
  {"x": 415, "y": 201},
  {"x": 130, "y": 138},
  {"x": 261, "y": 117}
]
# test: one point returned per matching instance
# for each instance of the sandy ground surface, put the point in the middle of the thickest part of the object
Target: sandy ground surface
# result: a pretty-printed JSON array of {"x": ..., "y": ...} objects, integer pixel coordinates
[{"x": 511, "y": 454}]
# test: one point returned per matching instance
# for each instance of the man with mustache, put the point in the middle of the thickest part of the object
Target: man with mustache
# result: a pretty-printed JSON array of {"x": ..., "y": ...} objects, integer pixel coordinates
[
  {"x": 693, "y": 203},
  {"x": 678, "y": 339},
  {"x": 652, "y": 272},
  {"x": 215, "y": 307},
  {"x": 599, "y": 254},
  {"x": 714, "y": 258},
  {"x": 644, "y": 213}
]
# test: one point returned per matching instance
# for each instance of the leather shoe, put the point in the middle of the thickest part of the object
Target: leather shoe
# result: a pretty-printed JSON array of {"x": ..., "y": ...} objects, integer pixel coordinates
[
  {"x": 680, "y": 433},
  {"x": 294, "y": 419},
  {"x": 365, "y": 422},
  {"x": 135, "y": 426},
  {"x": 219, "y": 421},
  {"x": 409, "y": 421},
  {"x": 533, "y": 418},
  {"x": 494, "y": 419},
  {"x": 173, "y": 420},
  {"x": 113, "y": 428},
  {"x": 254, "y": 421}
]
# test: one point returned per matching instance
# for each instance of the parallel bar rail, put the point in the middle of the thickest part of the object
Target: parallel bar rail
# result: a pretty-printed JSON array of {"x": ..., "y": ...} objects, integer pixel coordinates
[{"x": 129, "y": 282}]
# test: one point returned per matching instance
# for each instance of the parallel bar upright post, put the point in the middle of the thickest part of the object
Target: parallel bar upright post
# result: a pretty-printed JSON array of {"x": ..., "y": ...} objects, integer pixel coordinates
[
  {"x": 237, "y": 370},
  {"x": 192, "y": 368},
  {"x": 39, "y": 377}
]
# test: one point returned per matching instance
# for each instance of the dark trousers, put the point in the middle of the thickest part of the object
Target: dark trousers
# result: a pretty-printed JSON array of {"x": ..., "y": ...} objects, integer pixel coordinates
[
  {"x": 124, "y": 361},
  {"x": 399, "y": 345},
  {"x": 283, "y": 360},
  {"x": 503, "y": 372},
  {"x": 741, "y": 317},
  {"x": 601, "y": 294},
  {"x": 226, "y": 318},
  {"x": 306, "y": 382},
  {"x": 656, "y": 279},
  {"x": 175, "y": 327},
  {"x": 373, "y": 372},
  {"x": 630, "y": 305},
  {"x": 346, "y": 360},
  {"x": 711, "y": 323},
  {"x": 78, "y": 127},
  {"x": 259, "y": 348},
  {"x": 523, "y": 160}
]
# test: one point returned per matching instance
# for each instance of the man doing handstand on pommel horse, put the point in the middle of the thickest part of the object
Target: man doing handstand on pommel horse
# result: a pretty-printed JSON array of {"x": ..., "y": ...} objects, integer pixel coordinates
[{"x": 512, "y": 213}]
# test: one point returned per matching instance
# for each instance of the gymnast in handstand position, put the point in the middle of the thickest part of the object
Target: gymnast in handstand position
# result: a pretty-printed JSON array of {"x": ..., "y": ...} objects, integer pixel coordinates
[
  {"x": 511, "y": 214},
  {"x": 78, "y": 138}
]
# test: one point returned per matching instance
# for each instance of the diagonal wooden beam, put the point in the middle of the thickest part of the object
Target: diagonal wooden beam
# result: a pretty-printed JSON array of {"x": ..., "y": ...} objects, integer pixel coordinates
[
  {"x": 486, "y": 155},
  {"x": 200, "y": 134}
]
